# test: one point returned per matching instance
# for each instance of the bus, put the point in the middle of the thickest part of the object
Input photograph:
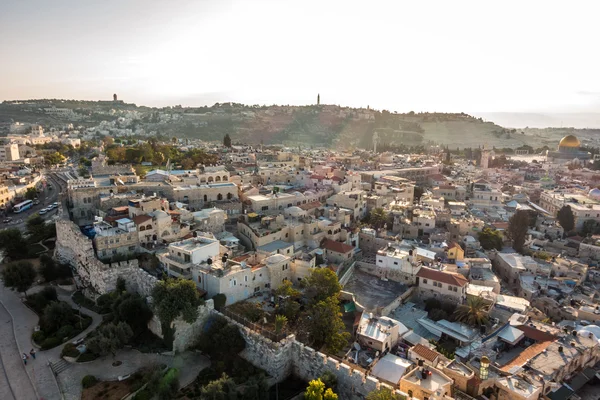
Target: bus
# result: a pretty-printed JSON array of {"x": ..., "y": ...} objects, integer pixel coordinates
[{"x": 23, "y": 206}]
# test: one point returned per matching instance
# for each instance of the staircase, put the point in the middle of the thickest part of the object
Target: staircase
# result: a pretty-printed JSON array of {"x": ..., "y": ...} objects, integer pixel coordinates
[{"x": 59, "y": 366}]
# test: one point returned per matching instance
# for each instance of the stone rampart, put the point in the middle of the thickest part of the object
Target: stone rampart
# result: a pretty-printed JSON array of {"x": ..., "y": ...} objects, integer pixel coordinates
[{"x": 76, "y": 249}]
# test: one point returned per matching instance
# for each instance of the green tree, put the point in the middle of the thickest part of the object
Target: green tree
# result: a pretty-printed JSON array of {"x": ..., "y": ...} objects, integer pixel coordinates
[
  {"x": 287, "y": 289},
  {"x": 219, "y": 389},
  {"x": 54, "y": 158},
  {"x": 221, "y": 339},
  {"x": 83, "y": 172},
  {"x": 132, "y": 309},
  {"x": 19, "y": 275},
  {"x": 36, "y": 228},
  {"x": 324, "y": 325},
  {"x": 473, "y": 313},
  {"x": 219, "y": 301},
  {"x": 13, "y": 243},
  {"x": 590, "y": 227},
  {"x": 109, "y": 338},
  {"x": 280, "y": 323},
  {"x": 418, "y": 192},
  {"x": 56, "y": 314},
  {"x": 227, "y": 141},
  {"x": 378, "y": 218},
  {"x": 176, "y": 297},
  {"x": 384, "y": 394},
  {"x": 169, "y": 385},
  {"x": 51, "y": 271},
  {"x": 518, "y": 225},
  {"x": 566, "y": 219},
  {"x": 316, "y": 391},
  {"x": 31, "y": 193},
  {"x": 322, "y": 283},
  {"x": 490, "y": 239}
]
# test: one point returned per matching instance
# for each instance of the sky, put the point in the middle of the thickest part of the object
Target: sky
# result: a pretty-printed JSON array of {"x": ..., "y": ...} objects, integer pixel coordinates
[{"x": 445, "y": 56}]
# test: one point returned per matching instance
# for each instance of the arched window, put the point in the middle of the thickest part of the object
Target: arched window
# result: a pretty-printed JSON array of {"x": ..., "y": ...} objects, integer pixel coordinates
[
  {"x": 225, "y": 179},
  {"x": 165, "y": 233},
  {"x": 205, "y": 198},
  {"x": 218, "y": 179},
  {"x": 149, "y": 226},
  {"x": 142, "y": 228},
  {"x": 229, "y": 196},
  {"x": 210, "y": 179},
  {"x": 219, "y": 196}
]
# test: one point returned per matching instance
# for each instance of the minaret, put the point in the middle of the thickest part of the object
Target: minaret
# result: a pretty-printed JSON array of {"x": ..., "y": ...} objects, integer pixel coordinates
[
  {"x": 375, "y": 140},
  {"x": 318, "y": 99}
]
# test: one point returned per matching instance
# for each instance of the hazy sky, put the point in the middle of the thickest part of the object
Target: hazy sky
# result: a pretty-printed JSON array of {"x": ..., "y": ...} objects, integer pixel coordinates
[{"x": 397, "y": 55}]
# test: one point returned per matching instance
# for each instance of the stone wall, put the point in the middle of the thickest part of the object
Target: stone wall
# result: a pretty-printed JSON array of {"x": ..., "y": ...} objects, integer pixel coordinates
[
  {"x": 185, "y": 333},
  {"x": 76, "y": 249}
]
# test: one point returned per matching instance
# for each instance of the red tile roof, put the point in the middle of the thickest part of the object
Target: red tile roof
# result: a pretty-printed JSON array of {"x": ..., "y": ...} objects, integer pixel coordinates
[
  {"x": 526, "y": 355},
  {"x": 425, "y": 352},
  {"x": 337, "y": 247},
  {"x": 318, "y": 177},
  {"x": 440, "y": 276},
  {"x": 535, "y": 334},
  {"x": 437, "y": 177}
]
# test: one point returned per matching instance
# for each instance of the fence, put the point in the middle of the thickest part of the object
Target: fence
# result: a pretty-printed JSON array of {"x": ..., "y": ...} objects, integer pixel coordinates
[{"x": 275, "y": 337}]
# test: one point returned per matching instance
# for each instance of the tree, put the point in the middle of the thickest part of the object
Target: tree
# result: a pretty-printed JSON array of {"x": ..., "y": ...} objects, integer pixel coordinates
[
  {"x": 52, "y": 271},
  {"x": 56, "y": 314},
  {"x": 280, "y": 323},
  {"x": 418, "y": 193},
  {"x": 378, "y": 218},
  {"x": 490, "y": 239},
  {"x": 176, "y": 297},
  {"x": 19, "y": 275},
  {"x": 13, "y": 243},
  {"x": 31, "y": 193},
  {"x": 36, "y": 228},
  {"x": 472, "y": 313},
  {"x": 221, "y": 339},
  {"x": 219, "y": 389},
  {"x": 383, "y": 394},
  {"x": 316, "y": 391},
  {"x": 324, "y": 325},
  {"x": 219, "y": 300},
  {"x": 518, "y": 225},
  {"x": 132, "y": 309},
  {"x": 324, "y": 283},
  {"x": 109, "y": 338},
  {"x": 54, "y": 158},
  {"x": 566, "y": 219},
  {"x": 227, "y": 141},
  {"x": 287, "y": 289},
  {"x": 83, "y": 172}
]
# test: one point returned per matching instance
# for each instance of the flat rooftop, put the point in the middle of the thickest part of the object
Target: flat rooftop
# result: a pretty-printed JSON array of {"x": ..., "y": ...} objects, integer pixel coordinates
[{"x": 371, "y": 292}]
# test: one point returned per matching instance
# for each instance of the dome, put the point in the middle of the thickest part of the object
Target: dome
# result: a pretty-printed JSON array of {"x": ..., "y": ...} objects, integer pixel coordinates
[
  {"x": 569, "y": 141},
  {"x": 594, "y": 194}
]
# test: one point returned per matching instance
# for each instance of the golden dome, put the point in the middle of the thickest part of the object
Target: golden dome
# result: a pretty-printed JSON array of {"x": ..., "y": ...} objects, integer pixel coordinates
[{"x": 569, "y": 141}]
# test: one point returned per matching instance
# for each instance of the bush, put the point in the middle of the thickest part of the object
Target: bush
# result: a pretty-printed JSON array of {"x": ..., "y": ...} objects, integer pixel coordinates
[
  {"x": 69, "y": 351},
  {"x": 38, "y": 337},
  {"x": 65, "y": 331},
  {"x": 87, "y": 356},
  {"x": 432, "y": 304},
  {"x": 219, "y": 301},
  {"x": 83, "y": 301},
  {"x": 51, "y": 342},
  {"x": 88, "y": 381},
  {"x": 438, "y": 314},
  {"x": 39, "y": 301},
  {"x": 105, "y": 303},
  {"x": 143, "y": 395}
]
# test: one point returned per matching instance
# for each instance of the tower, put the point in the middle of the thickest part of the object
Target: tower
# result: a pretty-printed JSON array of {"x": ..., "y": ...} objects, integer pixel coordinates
[
  {"x": 485, "y": 158},
  {"x": 375, "y": 140},
  {"x": 115, "y": 97},
  {"x": 318, "y": 99}
]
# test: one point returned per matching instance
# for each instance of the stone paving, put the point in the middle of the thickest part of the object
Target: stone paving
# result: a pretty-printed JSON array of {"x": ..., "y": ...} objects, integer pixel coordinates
[
  {"x": 189, "y": 365},
  {"x": 36, "y": 374},
  {"x": 36, "y": 380}
]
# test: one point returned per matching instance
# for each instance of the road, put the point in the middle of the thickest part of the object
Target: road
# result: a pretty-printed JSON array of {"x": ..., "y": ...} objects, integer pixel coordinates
[{"x": 47, "y": 196}]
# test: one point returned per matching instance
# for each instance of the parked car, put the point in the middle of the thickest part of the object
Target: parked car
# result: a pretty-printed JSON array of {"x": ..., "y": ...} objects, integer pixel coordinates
[
  {"x": 7, "y": 220},
  {"x": 36, "y": 202},
  {"x": 42, "y": 211}
]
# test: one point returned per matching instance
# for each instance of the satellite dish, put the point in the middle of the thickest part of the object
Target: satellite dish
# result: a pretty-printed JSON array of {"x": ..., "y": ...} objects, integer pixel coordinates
[{"x": 357, "y": 346}]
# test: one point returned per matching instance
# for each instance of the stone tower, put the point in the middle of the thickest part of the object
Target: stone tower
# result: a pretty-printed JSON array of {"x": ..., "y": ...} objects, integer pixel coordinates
[{"x": 318, "y": 99}]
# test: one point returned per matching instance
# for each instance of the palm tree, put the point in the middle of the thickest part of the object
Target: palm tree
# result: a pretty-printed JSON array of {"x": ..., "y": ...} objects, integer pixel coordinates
[{"x": 473, "y": 313}]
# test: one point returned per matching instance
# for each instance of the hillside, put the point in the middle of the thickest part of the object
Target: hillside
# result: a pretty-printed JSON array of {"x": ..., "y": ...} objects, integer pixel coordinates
[{"x": 324, "y": 125}]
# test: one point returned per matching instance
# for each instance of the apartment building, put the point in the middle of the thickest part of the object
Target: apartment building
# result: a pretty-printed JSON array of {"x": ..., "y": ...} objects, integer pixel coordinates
[{"x": 442, "y": 285}]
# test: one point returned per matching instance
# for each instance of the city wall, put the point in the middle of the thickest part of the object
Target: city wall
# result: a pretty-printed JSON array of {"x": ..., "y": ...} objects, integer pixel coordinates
[{"x": 76, "y": 249}]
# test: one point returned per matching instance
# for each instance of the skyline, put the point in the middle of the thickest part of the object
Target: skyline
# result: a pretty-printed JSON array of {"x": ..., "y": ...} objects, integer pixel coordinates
[{"x": 532, "y": 58}]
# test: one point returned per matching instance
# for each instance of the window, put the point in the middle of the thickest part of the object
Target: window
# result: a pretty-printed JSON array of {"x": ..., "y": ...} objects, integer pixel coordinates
[
  {"x": 382, "y": 261},
  {"x": 267, "y": 285},
  {"x": 449, "y": 287},
  {"x": 256, "y": 289},
  {"x": 265, "y": 208},
  {"x": 199, "y": 278},
  {"x": 246, "y": 278},
  {"x": 395, "y": 262},
  {"x": 424, "y": 280}
]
